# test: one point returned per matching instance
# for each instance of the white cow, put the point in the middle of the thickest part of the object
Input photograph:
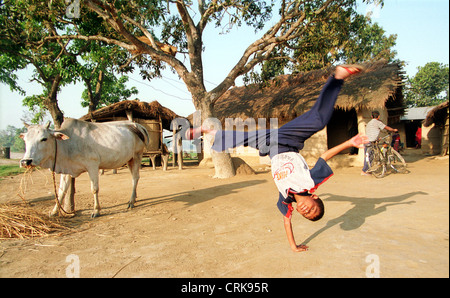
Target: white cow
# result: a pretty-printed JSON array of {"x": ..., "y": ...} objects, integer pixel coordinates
[{"x": 81, "y": 146}]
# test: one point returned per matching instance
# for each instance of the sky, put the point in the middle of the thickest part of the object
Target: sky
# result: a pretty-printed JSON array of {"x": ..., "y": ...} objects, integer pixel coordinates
[{"x": 422, "y": 28}]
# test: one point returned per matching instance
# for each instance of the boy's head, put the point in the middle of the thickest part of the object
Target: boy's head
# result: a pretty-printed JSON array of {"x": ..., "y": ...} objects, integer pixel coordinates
[
  {"x": 375, "y": 114},
  {"x": 310, "y": 206}
]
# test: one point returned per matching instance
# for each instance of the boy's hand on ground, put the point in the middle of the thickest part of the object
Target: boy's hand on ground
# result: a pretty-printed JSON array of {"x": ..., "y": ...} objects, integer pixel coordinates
[{"x": 300, "y": 248}]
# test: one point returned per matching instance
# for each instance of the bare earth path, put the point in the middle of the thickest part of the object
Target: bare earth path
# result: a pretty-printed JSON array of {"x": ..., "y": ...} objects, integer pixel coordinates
[{"x": 187, "y": 224}]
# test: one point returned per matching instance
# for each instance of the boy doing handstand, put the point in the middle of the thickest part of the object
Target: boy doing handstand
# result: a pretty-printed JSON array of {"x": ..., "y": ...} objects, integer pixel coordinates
[{"x": 296, "y": 183}]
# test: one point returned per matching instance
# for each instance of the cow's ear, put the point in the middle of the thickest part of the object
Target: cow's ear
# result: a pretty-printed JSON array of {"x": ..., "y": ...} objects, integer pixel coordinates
[
  {"x": 22, "y": 136},
  {"x": 60, "y": 136}
]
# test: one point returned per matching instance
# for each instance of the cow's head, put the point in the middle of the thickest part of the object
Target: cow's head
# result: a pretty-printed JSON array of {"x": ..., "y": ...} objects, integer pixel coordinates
[{"x": 40, "y": 144}]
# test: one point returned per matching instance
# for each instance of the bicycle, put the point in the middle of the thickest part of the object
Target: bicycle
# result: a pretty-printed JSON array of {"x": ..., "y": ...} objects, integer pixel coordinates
[{"x": 381, "y": 157}]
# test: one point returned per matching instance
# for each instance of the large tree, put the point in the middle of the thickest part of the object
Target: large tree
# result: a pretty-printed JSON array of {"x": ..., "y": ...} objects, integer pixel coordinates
[
  {"x": 20, "y": 41},
  {"x": 98, "y": 72},
  {"x": 346, "y": 38},
  {"x": 429, "y": 86},
  {"x": 151, "y": 27},
  {"x": 57, "y": 62},
  {"x": 10, "y": 137},
  {"x": 24, "y": 40}
]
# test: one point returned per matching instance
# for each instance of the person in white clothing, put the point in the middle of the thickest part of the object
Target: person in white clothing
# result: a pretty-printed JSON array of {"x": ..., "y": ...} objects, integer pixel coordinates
[{"x": 373, "y": 129}]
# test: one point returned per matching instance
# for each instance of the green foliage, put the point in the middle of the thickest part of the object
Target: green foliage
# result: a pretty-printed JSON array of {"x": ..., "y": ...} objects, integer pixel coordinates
[
  {"x": 10, "y": 170},
  {"x": 8, "y": 65},
  {"x": 113, "y": 90},
  {"x": 429, "y": 87},
  {"x": 35, "y": 104},
  {"x": 28, "y": 37},
  {"x": 10, "y": 137},
  {"x": 249, "y": 12},
  {"x": 103, "y": 41},
  {"x": 367, "y": 42},
  {"x": 271, "y": 68},
  {"x": 344, "y": 36}
]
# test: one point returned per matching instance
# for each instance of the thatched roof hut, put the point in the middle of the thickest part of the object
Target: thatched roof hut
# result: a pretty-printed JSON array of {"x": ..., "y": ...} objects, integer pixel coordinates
[
  {"x": 435, "y": 138},
  {"x": 437, "y": 115},
  {"x": 286, "y": 97},
  {"x": 139, "y": 109},
  {"x": 289, "y": 96},
  {"x": 153, "y": 116}
]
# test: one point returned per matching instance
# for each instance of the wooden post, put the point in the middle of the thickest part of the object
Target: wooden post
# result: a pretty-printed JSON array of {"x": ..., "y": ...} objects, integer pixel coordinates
[
  {"x": 129, "y": 114},
  {"x": 444, "y": 146},
  {"x": 174, "y": 143},
  {"x": 180, "y": 153},
  {"x": 6, "y": 152}
]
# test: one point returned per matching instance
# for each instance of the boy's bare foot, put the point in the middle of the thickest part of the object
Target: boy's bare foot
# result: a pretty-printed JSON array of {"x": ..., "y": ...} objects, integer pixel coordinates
[{"x": 344, "y": 71}]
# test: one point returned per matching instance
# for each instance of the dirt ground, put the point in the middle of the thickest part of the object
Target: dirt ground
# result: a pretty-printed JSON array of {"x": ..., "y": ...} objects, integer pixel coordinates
[{"x": 187, "y": 224}]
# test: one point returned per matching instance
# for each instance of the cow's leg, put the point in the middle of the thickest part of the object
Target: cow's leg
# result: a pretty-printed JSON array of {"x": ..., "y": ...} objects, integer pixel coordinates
[
  {"x": 134, "y": 165},
  {"x": 93, "y": 175},
  {"x": 64, "y": 184},
  {"x": 69, "y": 199},
  {"x": 165, "y": 161},
  {"x": 153, "y": 159}
]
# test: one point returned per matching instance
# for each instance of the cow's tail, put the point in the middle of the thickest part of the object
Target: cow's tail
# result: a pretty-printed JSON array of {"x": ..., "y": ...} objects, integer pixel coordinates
[{"x": 141, "y": 132}]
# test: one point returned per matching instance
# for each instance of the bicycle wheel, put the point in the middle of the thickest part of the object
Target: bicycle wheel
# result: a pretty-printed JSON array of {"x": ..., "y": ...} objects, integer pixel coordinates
[
  {"x": 396, "y": 162},
  {"x": 376, "y": 165}
]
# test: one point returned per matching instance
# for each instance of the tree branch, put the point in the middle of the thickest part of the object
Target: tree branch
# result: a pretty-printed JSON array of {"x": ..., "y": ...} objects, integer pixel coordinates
[
  {"x": 280, "y": 33},
  {"x": 144, "y": 31},
  {"x": 93, "y": 37},
  {"x": 206, "y": 14}
]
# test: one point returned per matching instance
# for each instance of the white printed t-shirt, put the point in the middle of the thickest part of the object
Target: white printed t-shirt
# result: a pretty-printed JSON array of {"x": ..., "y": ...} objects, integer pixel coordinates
[{"x": 292, "y": 175}]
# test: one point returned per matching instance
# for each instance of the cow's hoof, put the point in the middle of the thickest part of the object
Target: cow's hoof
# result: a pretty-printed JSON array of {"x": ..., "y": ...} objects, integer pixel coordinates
[
  {"x": 130, "y": 206},
  {"x": 95, "y": 214}
]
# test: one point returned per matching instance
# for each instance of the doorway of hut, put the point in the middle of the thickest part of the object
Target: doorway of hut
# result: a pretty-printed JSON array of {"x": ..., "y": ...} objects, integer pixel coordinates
[
  {"x": 342, "y": 126},
  {"x": 410, "y": 132}
]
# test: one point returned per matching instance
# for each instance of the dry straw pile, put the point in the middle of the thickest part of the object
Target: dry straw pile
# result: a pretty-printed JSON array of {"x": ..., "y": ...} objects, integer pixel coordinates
[{"x": 22, "y": 222}]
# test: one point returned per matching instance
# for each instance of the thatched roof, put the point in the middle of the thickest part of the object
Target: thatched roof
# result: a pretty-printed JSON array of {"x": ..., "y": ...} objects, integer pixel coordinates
[
  {"x": 438, "y": 115},
  {"x": 289, "y": 96},
  {"x": 140, "y": 109}
]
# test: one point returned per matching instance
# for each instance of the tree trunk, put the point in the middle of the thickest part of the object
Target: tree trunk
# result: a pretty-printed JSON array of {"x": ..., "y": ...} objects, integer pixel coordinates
[
  {"x": 57, "y": 115},
  {"x": 51, "y": 102},
  {"x": 94, "y": 99},
  {"x": 223, "y": 165}
]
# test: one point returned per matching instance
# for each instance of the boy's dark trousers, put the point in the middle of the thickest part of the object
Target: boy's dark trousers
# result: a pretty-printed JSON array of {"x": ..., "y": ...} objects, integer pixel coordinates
[{"x": 291, "y": 136}]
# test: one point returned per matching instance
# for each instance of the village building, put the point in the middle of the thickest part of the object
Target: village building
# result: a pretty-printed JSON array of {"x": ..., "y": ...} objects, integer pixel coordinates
[
  {"x": 152, "y": 115},
  {"x": 288, "y": 96},
  {"x": 435, "y": 130},
  {"x": 412, "y": 121},
  {"x": 431, "y": 124}
]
